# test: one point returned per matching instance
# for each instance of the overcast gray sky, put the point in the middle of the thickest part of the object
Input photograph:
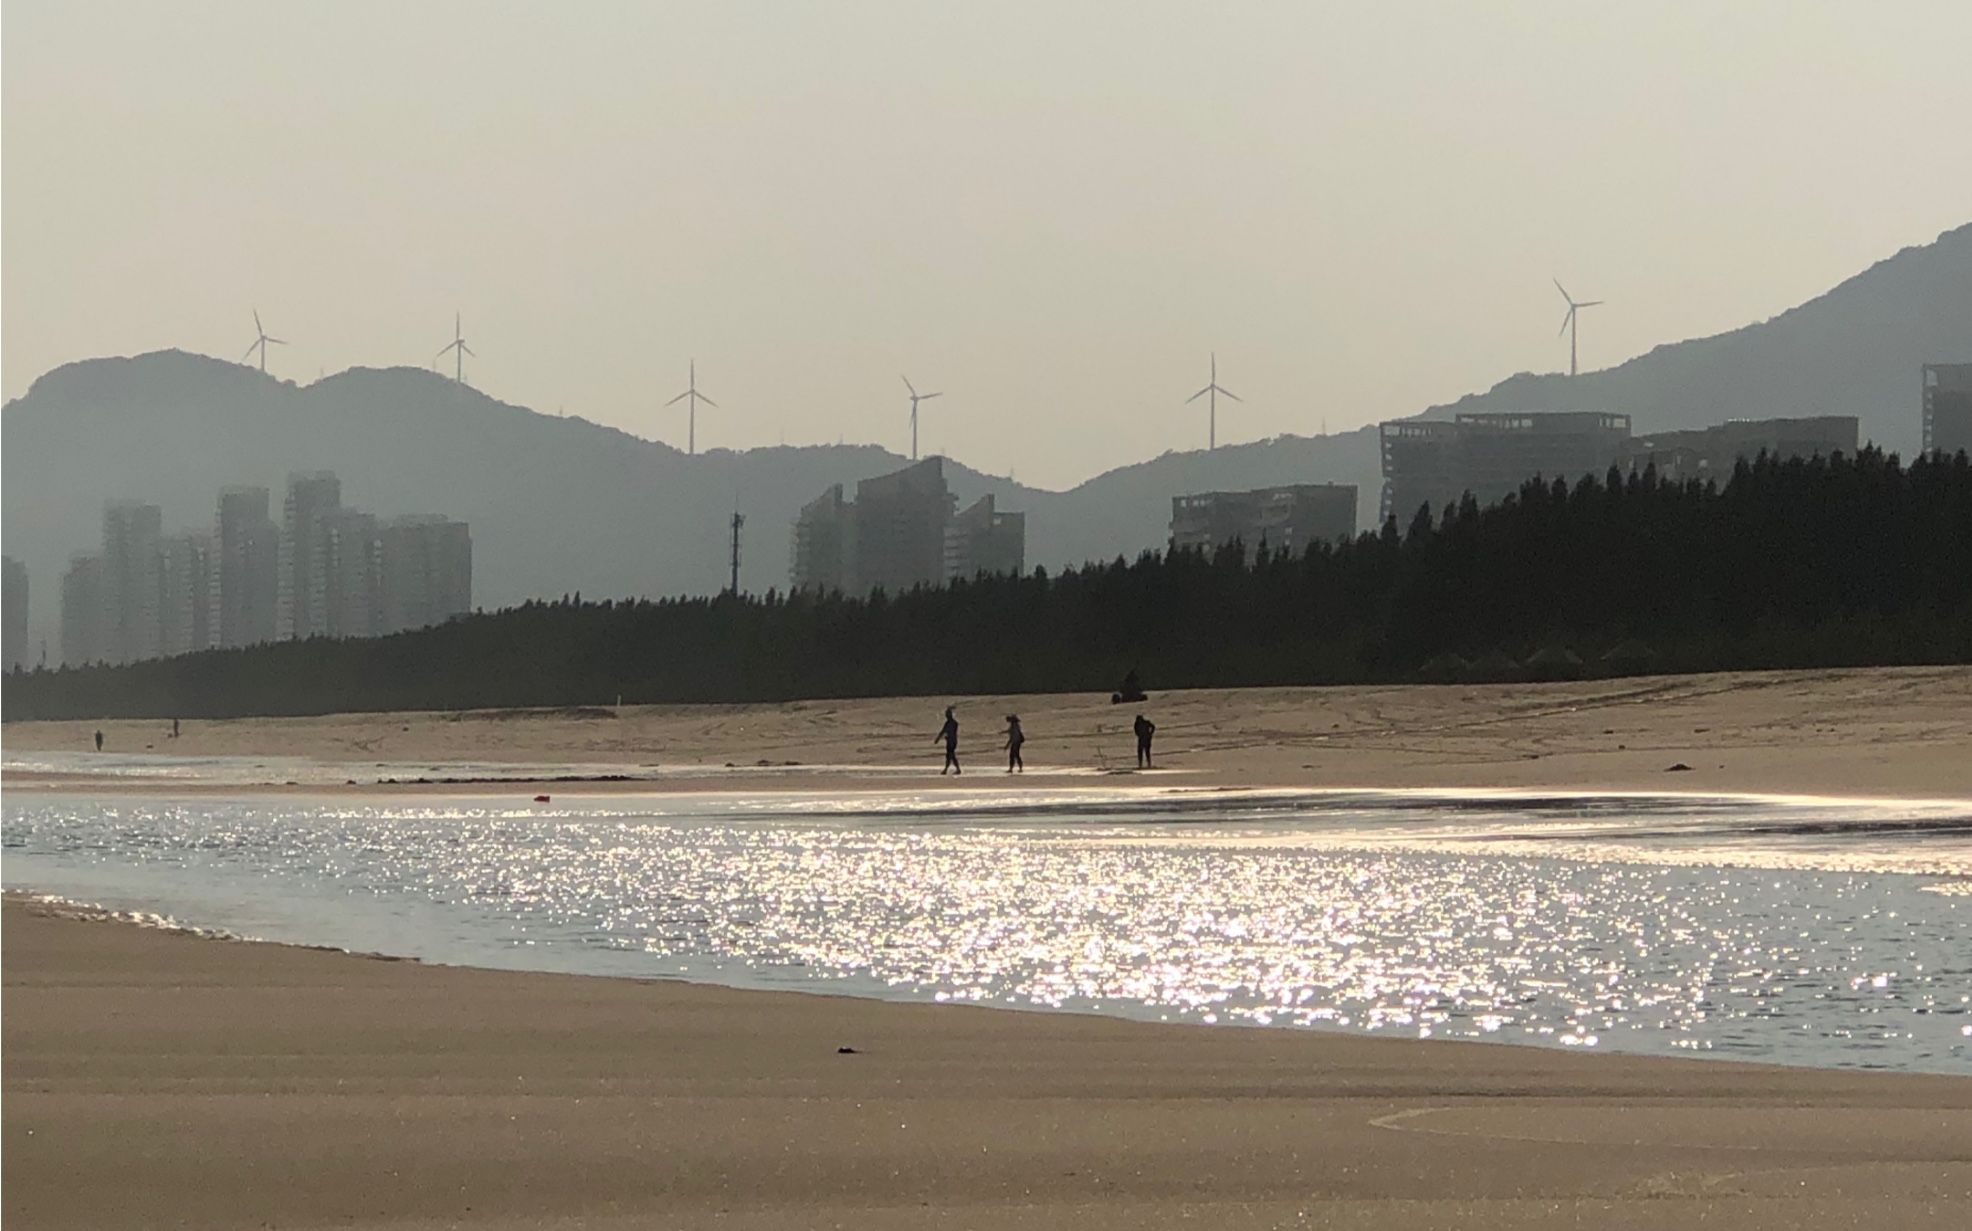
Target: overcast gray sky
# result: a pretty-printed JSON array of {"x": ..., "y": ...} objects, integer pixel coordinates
[{"x": 1051, "y": 212}]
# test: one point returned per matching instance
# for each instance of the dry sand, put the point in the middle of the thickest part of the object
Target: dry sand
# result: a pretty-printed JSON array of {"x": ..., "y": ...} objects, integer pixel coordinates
[
  {"x": 1877, "y": 732},
  {"x": 162, "y": 1079}
]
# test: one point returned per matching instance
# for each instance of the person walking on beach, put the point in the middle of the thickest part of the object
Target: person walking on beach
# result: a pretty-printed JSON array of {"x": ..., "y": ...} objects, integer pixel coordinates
[
  {"x": 950, "y": 734},
  {"x": 99, "y": 741},
  {"x": 1014, "y": 740},
  {"x": 1145, "y": 728}
]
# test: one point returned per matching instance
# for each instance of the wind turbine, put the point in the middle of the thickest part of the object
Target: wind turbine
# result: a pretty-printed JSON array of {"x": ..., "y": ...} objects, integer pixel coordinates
[
  {"x": 691, "y": 392},
  {"x": 460, "y": 351},
  {"x": 1568, "y": 321},
  {"x": 1211, "y": 394},
  {"x": 916, "y": 397},
  {"x": 260, "y": 343}
]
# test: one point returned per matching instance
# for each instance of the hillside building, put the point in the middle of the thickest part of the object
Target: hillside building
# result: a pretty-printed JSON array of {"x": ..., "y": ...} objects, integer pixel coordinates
[
  {"x": 823, "y": 552},
  {"x": 902, "y": 531},
  {"x": 1435, "y": 462},
  {"x": 314, "y": 498},
  {"x": 1294, "y": 517},
  {"x": 188, "y": 594},
  {"x": 1948, "y": 408},
  {"x": 133, "y": 534},
  {"x": 982, "y": 540},
  {"x": 424, "y": 572},
  {"x": 13, "y": 597},
  {"x": 85, "y": 636},
  {"x": 1712, "y": 452}
]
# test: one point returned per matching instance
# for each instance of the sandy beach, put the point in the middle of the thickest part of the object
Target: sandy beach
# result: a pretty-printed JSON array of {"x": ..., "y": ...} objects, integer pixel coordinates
[
  {"x": 163, "y": 1079},
  {"x": 1864, "y": 732}
]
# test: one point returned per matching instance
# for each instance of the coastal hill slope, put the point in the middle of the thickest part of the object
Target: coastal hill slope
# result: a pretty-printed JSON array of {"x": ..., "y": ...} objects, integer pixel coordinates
[
  {"x": 562, "y": 504},
  {"x": 1856, "y": 350}
]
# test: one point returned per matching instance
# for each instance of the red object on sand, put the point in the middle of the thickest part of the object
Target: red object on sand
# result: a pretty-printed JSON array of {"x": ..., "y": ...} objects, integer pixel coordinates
[{"x": 540, "y": 799}]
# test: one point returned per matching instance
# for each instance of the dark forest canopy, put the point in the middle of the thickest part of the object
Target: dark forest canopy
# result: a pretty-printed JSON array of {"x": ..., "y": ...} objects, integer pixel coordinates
[{"x": 1841, "y": 562}]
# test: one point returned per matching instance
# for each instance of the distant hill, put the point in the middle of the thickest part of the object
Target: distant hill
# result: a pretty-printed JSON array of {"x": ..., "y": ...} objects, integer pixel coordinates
[
  {"x": 564, "y": 505},
  {"x": 1856, "y": 350}
]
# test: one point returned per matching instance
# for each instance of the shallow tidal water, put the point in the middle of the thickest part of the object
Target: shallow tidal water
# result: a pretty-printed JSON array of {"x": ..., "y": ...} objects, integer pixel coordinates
[{"x": 1815, "y": 932}]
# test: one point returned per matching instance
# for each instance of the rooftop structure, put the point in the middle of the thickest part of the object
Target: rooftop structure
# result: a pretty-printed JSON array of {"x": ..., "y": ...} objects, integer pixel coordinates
[
  {"x": 1295, "y": 518},
  {"x": 1435, "y": 462},
  {"x": 1948, "y": 408}
]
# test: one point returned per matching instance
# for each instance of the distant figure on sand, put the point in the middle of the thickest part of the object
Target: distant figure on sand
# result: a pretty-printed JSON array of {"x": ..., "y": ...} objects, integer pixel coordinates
[
  {"x": 174, "y": 728},
  {"x": 1145, "y": 729},
  {"x": 950, "y": 734},
  {"x": 1131, "y": 691},
  {"x": 1014, "y": 740},
  {"x": 99, "y": 741}
]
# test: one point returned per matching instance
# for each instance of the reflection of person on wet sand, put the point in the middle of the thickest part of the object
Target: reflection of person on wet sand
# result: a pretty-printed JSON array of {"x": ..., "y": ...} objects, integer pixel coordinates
[
  {"x": 950, "y": 734},
  {"x": 1145, "y": 728},
  {"x": 1014, "y": 740}
]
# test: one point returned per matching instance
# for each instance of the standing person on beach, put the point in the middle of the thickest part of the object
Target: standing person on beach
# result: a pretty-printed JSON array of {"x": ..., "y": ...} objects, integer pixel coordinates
[
  {"x": 1145, "y": 728},
  {"x": 1014, "y": 740},
  {"x": 99, "y": 741},
  {"x": 950, "y": 734}
]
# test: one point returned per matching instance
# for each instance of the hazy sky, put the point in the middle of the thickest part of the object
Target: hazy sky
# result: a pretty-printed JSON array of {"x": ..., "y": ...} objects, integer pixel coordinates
[{"x": 1051, "y": 212}]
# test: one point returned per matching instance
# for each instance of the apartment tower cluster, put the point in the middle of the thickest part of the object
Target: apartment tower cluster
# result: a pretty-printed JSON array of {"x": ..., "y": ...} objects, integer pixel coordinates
[
  {"x": 322, "y": 570},
  {"x": 902, "y": 530}
]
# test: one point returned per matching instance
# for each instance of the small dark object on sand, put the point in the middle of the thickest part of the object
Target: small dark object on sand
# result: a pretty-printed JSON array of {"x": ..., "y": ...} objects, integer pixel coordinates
[
  {"x": 1130, "y": 693},
  {"x": 540, "y": 799},
  {"x": 845, "y": 1051},
  {"x": 1679, "y": 768}
]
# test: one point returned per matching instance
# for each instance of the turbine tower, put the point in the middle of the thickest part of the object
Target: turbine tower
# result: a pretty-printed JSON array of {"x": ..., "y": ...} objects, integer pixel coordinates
[
  {"x": 459, "y": 351},
  {"x": 691, "y": 392},
  {"x": 916, "y": 397},
  {"x": 260, "y": 343},
  {"x": 1568, "y": 321},
  {"x": 1211, "y": 394}
]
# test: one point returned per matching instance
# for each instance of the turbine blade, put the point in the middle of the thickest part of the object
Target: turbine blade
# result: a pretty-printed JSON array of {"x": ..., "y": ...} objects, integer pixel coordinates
[
  {"x": 467, "y": 349},
  {"x": 1229, "y": 393},
  {"x": 256, "y": 322},
  {"x": 708, "y": 401},
  {"x": 1564, "y": 292},
  {"x": 681, "y": 397},
  {"x": 908, "y": 385},
  {"x": 1565, "y": 321},
  {"x": 249, "y": 354},
  {"x": 1590, "y": 304},
  {"x": 1201, "y": 393},
  {"x": 928, "y": 396},
  {"x": 278, "y": 341}
]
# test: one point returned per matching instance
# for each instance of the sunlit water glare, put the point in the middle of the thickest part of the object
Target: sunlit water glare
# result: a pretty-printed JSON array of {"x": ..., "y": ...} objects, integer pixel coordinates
[{"x": 1812, "y": 933}]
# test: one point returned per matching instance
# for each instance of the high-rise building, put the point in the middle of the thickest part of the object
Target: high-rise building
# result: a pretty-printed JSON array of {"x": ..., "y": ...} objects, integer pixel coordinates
[
  {"x": 425, "y": 572},
  {"x": 900, "y": 528},
  {"x": 314, "y": 497},
  {"x": 824, "y": 549},
  {"x": 13, "y": 597},
  {"x": 1948, "y": 408},
  {"x": 188, "y": 605},
  {"x": 132, "y": 536},
  {"x": 1435, "y": 462},
  {"x": 981, "y": 540},
  {"x": 85, "y": 626},
  {"x": 353, "y": 593},
  {"x": 249, "y": 568},
  {"x": 1712, "y": 452}
]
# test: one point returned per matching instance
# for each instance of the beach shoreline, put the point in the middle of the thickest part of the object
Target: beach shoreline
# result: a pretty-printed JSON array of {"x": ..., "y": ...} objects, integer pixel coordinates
[
  {"x": 1860, "y": 733},
  {"x": 156, "y": 1076}
]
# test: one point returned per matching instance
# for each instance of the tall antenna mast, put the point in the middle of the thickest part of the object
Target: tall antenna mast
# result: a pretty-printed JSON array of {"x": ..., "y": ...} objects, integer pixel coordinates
[{"x": 738, "y": 521}]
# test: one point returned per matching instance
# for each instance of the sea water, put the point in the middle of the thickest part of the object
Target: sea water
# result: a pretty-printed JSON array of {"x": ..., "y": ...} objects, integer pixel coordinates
[{"x": 1816, "y": 932}]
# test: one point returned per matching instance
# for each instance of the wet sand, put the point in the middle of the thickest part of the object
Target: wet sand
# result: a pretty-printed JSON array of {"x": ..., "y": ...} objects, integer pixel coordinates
[
  {"x": 163, "y": 1079},
  {"x": 1863, "y": 732}
]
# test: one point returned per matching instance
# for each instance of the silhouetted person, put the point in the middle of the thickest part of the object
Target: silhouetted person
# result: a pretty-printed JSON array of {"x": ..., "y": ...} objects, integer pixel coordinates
[
  {"x": 1145, "y": 728},
  {"x": 99, "y": 741},
  {"x": 950, "y": 734},
  {"x": 174, "y": 728},
  {"x": 1014, "y": 740},
  {"x": 1130, "y": 693}
]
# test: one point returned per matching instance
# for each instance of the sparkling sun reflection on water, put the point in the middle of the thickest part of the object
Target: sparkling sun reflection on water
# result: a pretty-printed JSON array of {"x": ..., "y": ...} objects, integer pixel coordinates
[{"x": 1610, "y": 924}]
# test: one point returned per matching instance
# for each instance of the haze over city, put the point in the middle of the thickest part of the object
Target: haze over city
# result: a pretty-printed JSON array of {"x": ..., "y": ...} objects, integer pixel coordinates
[{"x": 1053, "y": 216}]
